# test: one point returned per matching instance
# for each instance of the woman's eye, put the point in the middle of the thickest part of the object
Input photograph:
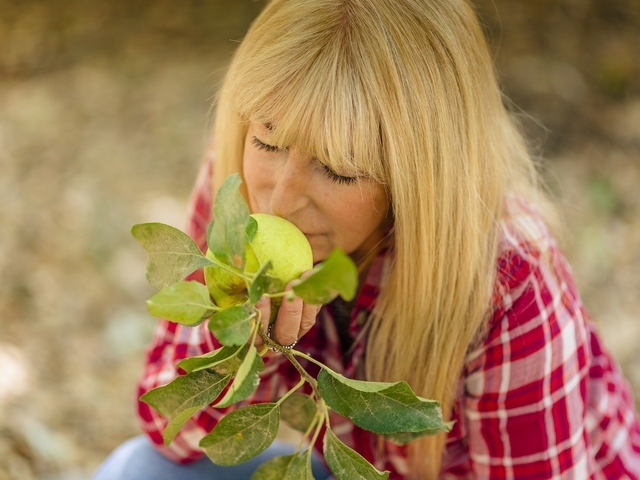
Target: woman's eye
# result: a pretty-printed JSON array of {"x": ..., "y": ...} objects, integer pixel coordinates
[
  {"x": 341, "y": 179},
  {"x": 333, "y": 176},
  {"x": 260, "y": 145}
]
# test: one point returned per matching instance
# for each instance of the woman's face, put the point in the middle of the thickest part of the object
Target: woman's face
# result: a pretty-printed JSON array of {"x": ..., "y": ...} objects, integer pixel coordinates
[{"x": 330, "y": 209}]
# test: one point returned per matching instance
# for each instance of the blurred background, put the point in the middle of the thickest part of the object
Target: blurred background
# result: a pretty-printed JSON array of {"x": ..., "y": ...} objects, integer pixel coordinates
[{"x": 104, "y": 117}]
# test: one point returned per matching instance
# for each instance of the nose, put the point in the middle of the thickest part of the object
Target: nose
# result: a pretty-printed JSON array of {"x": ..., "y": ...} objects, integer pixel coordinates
[{"x": 290, "y": 192}]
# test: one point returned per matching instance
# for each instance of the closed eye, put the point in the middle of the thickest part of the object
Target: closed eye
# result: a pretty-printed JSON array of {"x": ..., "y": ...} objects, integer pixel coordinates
[
  {"x": 340, "y": 179},
  {"x": 260, "y": 145},
  {"x": 333, "y": 176}
]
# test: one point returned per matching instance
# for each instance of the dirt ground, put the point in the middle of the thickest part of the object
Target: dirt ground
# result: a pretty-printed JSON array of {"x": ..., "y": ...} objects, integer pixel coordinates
[{"x": 104, "y": 116}]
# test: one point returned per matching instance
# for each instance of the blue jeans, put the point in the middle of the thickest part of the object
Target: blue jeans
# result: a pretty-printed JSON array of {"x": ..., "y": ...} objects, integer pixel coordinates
[{"x": 136, "y": 459}]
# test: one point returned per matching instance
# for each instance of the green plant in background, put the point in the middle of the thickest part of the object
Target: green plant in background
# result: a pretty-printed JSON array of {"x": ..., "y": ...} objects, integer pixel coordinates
[{"x": 389, "y": 409}]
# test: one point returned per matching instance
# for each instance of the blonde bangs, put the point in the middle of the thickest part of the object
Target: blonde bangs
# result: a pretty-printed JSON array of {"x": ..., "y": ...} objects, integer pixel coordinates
[{"x": 316, "y": 101}]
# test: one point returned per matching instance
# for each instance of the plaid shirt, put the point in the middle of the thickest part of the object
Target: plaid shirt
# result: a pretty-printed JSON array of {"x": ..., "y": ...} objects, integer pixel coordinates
[{"x": 540, "y": 397}]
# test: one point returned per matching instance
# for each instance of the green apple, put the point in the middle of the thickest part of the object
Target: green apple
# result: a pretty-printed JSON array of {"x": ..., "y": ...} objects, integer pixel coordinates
[{"x": 276, "y": 240}]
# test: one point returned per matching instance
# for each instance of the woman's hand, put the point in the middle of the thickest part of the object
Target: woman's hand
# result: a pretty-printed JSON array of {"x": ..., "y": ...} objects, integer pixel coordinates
[{"x": 295, "y": 318}]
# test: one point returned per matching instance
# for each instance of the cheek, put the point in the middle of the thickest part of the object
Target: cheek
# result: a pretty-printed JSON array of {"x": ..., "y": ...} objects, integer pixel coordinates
[
  {"x": 359, "y": 217},
  {"x": 372, "y": 206},
  {"x": 249, "y": 176},
  {"x": 248, "y": 165},
  {"x": 254, "y": 177}
]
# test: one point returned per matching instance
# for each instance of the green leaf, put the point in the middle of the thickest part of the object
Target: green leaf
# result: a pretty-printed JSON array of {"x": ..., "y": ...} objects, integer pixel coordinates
[
  {"x": 227, "y": 236},
  {"x": 172, "y": 254},
  {"x": 232, "y": 326},
  {"x": 226, "y": 358},
  {"x": 187, "y": 303},
  {"x": 402, "y": 438},
  {"x": 286, "y": 467},
  {"x": 298, "y": 411},
  {"x": 210, "y": 231},
  {"x": 264, "y": 283},
  {"x": 382, "y": 408},
  {"x": 183, "y": 397},
  {"x": 242, "y": 434},
  {"x": 245, "y": 381},
  {"x": 336, "y": 275},
  {"x": 252, "y": 229},
  {"x": 345, "y": 463}
]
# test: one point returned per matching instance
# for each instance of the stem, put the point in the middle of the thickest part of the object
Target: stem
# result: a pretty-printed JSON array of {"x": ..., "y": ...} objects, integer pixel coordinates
[
  {"x": 213, "y": 308},
  {"x": 311, "y": 426},
  {"x": 312, "y": 360},
  {"x": 318, "y": 428},
  {"x": 227, "y": 268},
  {"x": 260, "y": 330},
  {"x": 326, "y": 413},
  {"x": 256, "y": 326},
  {"x": 286, "y": 293},
  {"x": 310, "y": 380},
  {"x": 254, "y": 315},
  {"x": 290, "y": 392}
]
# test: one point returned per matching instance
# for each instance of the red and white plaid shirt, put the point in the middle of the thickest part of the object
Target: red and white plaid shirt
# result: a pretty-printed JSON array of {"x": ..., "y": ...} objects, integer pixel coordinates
[{"x": 539, "y": 398}]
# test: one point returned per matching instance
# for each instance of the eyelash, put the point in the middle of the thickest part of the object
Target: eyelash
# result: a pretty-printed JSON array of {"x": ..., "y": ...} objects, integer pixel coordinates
[
  {"x": 333, "y": 176},
  {"x": 260, "y": 145},
  {"x": 340, "y": 179}
]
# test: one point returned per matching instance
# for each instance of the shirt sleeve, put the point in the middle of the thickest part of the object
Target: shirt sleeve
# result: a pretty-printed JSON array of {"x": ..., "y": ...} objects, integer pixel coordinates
[{"x": 526, "y": 385}]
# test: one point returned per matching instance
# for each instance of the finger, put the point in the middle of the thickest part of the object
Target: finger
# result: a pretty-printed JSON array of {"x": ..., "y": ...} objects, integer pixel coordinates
[
  {"x": 304, "y": 275},
  {"x": 285, "y": 330},
  {"x": 309, "y": 312},
  {"x": 264, "y": 306},
  {"x": 309, "y": 315}
]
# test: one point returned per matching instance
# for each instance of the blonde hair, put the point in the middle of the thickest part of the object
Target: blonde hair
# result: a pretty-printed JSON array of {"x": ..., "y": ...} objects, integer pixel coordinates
[{"x": 405, "y": 91}]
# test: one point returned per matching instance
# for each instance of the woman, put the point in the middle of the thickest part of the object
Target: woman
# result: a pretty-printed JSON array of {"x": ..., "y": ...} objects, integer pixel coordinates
[{"x": 378, "y": 126}]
